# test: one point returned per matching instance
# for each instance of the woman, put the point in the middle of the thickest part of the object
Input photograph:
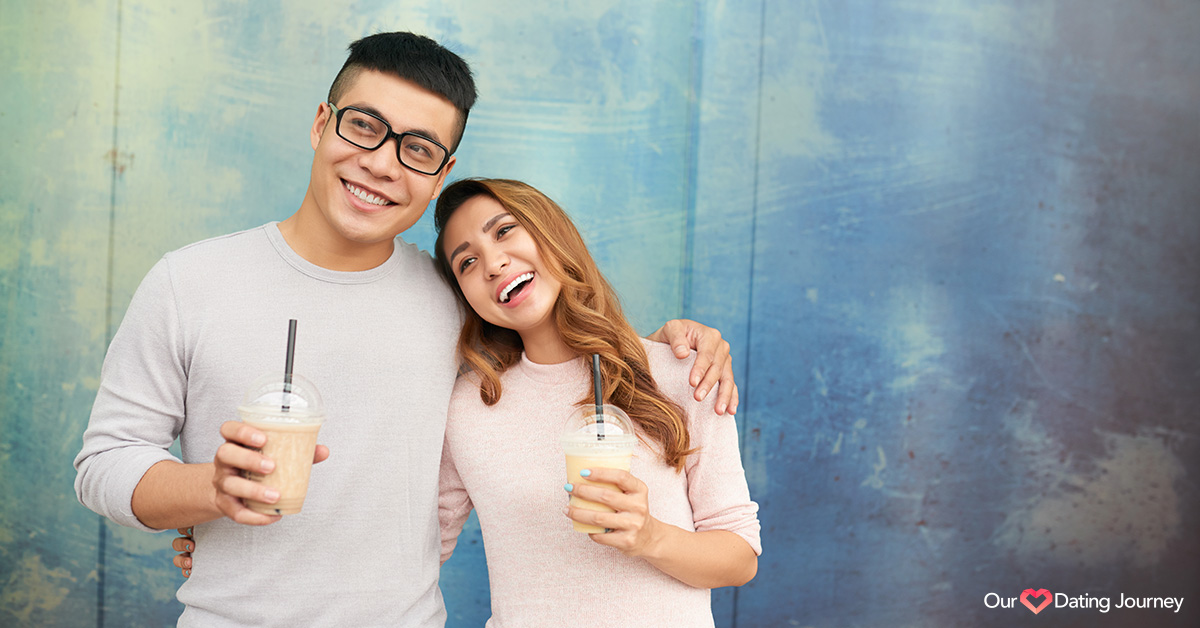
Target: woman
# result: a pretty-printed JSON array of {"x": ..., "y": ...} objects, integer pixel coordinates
[
  {"x": 536, "y": 306},
  {"x": 684, "y": 522}
]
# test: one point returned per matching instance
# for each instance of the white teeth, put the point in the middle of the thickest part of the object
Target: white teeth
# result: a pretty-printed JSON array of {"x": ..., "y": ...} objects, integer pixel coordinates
[
  {"x": 513, "y": 284},
  {"x": 369, "y": 198}
]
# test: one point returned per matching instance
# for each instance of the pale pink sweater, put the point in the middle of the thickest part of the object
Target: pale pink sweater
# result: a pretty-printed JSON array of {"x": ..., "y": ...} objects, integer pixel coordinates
[{"x": 506, "y": 462}]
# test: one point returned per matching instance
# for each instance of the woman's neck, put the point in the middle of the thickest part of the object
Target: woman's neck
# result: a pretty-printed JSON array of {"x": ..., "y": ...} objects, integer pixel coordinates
[{"x": 546, "y": 346}]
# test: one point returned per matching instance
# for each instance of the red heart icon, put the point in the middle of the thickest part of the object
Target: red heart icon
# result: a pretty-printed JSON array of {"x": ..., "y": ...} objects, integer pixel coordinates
[{"x": 1039, "y": 593}]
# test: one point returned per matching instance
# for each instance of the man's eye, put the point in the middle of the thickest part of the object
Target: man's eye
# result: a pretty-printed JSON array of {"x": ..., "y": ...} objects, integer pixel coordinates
[{"x": 364, "y": 126}]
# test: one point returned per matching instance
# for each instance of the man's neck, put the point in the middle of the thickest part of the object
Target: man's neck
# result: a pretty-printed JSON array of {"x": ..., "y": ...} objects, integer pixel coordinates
[{"x": 327, "y": 251}]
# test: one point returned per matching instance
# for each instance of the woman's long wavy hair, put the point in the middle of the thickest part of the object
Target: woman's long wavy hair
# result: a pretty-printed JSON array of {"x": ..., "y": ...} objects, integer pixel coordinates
[{"x": 588, "y": 315}]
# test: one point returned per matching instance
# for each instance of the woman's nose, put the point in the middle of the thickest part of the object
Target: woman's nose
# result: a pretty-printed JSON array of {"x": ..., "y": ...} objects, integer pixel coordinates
[{"x": 496, "y": 265}]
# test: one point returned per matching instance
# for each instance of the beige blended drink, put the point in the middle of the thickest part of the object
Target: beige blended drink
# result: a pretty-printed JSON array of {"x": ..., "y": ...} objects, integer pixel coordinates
[
  {"x": 592, "y": 441},
  {"x": 290, "y": 414}
]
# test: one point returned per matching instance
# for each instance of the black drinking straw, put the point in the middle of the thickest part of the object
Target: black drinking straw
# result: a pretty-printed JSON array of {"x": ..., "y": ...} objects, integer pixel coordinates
[
  {"x": 596, "y": 384},
  {"x": 287, "y": 366}
]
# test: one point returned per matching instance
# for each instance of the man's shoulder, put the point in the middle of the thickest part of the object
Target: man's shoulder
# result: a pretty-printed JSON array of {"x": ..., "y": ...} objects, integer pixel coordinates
[{"x": 222, "y": 247}]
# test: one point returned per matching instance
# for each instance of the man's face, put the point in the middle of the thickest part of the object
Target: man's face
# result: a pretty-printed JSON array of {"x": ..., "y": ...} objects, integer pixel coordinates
[{"x": 360, "y": 199}]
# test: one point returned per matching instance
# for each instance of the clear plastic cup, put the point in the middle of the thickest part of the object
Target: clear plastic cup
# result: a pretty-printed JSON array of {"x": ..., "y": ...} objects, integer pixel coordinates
[
  {"x": 590, "y": 444},
  {"x": 290, "y": 414}
]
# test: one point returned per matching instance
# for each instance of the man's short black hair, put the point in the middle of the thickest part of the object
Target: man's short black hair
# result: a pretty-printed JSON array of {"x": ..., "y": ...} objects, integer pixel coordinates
[{"x": 414, "y": 58}]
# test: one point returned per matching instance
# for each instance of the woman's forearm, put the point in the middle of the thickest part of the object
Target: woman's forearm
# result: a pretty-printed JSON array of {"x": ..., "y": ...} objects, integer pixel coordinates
[{"x": 706, "y": 560}]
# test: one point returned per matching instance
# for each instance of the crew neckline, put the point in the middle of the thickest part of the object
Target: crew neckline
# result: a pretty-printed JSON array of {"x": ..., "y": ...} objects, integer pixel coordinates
[
  {"x": 568, "y": 372},
  {"x": 306, "y": 267}
]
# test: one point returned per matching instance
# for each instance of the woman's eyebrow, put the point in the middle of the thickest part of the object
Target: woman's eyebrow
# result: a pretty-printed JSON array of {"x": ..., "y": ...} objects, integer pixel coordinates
[{"x": 487, "y": 226}]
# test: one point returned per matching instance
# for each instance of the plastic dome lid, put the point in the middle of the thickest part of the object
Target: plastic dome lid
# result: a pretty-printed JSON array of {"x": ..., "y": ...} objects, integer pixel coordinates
[
  {"x": 584, "y": 427},
  {"x": 296, "y": 401}
]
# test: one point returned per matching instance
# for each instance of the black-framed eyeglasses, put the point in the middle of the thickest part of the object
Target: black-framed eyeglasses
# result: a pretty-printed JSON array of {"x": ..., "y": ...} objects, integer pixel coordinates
[{"x": 368, "y": 131}]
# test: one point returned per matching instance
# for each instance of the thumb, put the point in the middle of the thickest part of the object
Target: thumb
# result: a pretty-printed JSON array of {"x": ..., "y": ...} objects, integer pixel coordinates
[{"x": 681, "y": 350}]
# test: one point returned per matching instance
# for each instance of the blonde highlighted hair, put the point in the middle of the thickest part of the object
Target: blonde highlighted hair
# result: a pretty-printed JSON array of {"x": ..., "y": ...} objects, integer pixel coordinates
[{"x": 587, "y": 314}]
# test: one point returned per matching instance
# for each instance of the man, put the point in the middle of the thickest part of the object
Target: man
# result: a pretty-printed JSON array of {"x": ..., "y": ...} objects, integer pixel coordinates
[{"x": 377, "y": 331}]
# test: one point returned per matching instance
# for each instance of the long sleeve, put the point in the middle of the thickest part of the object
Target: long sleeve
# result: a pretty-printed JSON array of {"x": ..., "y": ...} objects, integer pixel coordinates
[
  {"x": 454, "y": 505},
  {"x": 716, "y": 480},
  {"x": 139, "y": 408},
  {"x": 717, "y": 485}
]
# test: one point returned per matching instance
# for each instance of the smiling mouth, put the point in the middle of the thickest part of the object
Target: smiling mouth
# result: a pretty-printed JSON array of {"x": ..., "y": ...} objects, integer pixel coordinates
[
  {"x": 515, "y": 286},
  {"x": 366, "y": 196}
]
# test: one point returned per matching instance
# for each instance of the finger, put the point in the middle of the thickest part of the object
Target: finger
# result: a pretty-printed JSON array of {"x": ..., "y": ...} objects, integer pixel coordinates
[
  {"x": 624, "y": 480},
  {"x": 234, "y": 509},
  {"x": 700, "y": 369},
  {"x": 727, "y": 391},
  {"x": 238, "y": 487},
  {"x": 185, "y": 531},
  {"x": 606, "y": 520},
  {"x": 182, "y": 561},
  {"x": 733, "y": 404},
  {"x": 182, "y": 545},
  {"x": 321, "y": 454},
  {"x": 712, "y": 375},
  {"x": 677, "y": 335},
  {"x": 238, "y": 432},
  {"x": 601, "y": 495},
  {"x": 231, "y": 454}
]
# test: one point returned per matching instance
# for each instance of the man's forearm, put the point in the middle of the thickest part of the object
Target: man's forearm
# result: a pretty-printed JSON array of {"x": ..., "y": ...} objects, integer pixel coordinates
[{"x": 175, "y": 495}]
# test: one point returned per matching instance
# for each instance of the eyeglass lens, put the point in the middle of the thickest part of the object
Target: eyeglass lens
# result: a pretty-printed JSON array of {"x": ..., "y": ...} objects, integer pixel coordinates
[{"x": 367, "y": 131}]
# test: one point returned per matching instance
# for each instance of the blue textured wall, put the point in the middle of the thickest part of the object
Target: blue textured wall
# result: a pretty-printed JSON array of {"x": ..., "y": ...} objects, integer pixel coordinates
[{"x": 953, "y": 243}]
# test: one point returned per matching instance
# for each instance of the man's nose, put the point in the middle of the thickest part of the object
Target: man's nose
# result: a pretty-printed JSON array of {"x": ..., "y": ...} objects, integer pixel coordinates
[{"x": 383, "y": 162}]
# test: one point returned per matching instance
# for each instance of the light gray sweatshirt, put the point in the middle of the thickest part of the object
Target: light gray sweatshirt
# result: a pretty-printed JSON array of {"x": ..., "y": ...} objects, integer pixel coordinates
[{"x": 379, "y": 345}]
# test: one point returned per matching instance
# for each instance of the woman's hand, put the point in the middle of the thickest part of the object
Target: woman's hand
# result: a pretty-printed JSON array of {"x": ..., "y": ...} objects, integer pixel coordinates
[
  {"x": 184, "y": 545},
  {"x": 632, "y": 529}
]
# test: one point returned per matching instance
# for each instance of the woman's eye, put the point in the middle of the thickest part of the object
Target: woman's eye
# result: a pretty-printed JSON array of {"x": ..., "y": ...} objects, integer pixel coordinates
[
  {"x": 503, "y": 230},
  {"x": 464, "y": 263}
]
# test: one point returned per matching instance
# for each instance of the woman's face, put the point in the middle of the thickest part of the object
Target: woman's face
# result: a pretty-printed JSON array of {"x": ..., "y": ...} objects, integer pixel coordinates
[{"x": 500, "y": 269}]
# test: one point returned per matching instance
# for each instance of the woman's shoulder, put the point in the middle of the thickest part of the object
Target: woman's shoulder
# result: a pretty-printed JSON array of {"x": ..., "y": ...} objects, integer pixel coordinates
[
  {"x": 466, "y": 389},
  {"x": 669, "y": 372}
]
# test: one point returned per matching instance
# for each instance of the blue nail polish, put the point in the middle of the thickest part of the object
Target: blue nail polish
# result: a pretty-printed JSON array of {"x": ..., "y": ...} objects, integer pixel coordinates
[
  {"x": 568, "y": 487},
  {"x": 585, "y": 473}
]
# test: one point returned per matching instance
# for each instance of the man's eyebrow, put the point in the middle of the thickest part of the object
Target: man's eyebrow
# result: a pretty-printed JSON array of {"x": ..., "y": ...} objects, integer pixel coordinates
[
  {"x": 429, "y": 133},
  {"x": 487, "y": 226}
]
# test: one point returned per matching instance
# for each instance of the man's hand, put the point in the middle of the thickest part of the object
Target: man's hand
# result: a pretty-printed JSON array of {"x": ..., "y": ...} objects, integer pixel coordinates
[
  {"x": 713, "y": 363},
  {"x": 236, "y": 456}
]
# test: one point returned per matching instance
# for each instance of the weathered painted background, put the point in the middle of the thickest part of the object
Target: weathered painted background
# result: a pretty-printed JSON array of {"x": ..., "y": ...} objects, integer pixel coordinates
[{"x": 954, "y": 243}]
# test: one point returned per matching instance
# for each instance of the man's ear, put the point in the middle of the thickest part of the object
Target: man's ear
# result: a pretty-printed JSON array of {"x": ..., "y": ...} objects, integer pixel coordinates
[
  {"x": 324, "y": 111},
  {"x": 442, "y": 176}
]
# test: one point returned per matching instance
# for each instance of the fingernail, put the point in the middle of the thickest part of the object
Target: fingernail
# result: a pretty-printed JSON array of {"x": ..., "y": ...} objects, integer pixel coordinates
[
  {"x": 567, "y": 510},
  {"x": 703, "y": 393},
  {"x": 187, "y": 562},
  {"x": 187, "y": 547},
  {"x": 267, "y": 465},
  {"x": 568, "y": 487},
  {"x": 586, "y": 473},
  {"x": 721, "y": 409},
  {"x": 189, "y": 530},
  {"x": 187, "y": 573},
  {"x": 272, "y": 495},
  {"x": 258, "y": 439}
]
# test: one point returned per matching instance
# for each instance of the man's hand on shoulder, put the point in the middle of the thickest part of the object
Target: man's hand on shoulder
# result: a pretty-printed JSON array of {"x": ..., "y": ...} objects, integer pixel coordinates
[{"x": 713, "y": 362}]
